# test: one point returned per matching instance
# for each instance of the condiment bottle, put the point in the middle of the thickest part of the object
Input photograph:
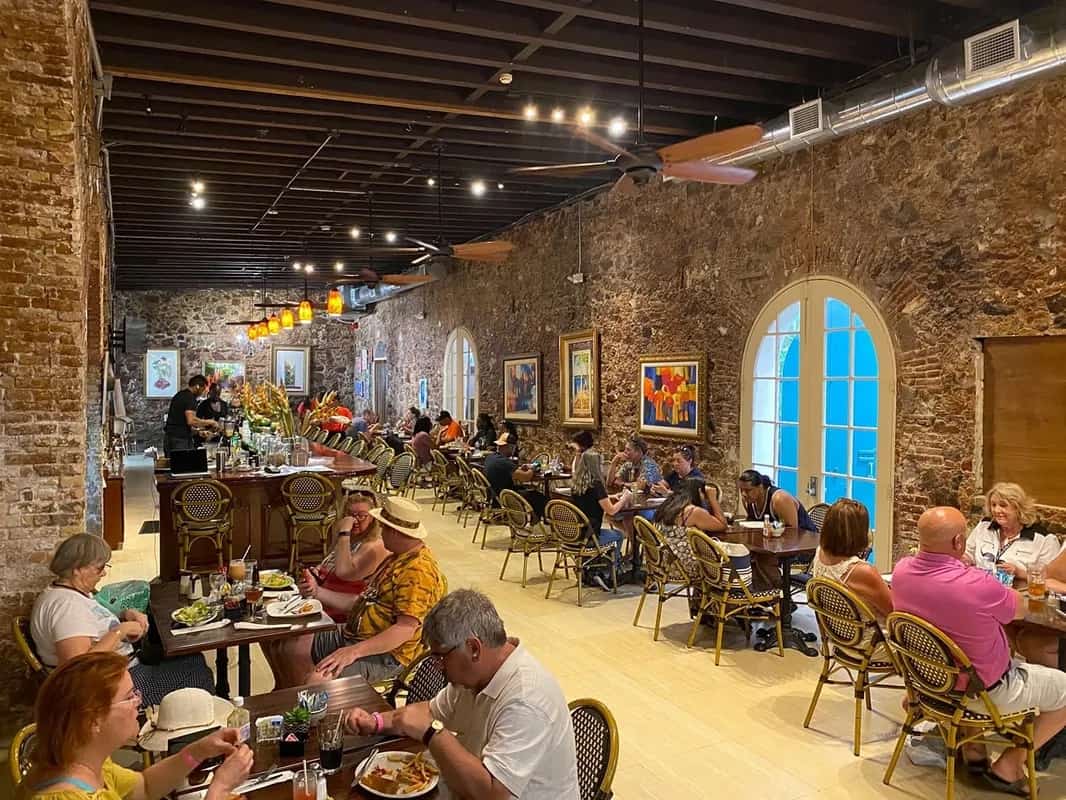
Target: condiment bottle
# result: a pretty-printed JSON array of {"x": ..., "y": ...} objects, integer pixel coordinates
[
  {"x": 766, "y": 529},
  {"x": 241, "y": 719}
]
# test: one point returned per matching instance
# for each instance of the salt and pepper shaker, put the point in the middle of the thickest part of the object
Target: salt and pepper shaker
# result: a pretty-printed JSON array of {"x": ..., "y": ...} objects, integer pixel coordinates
[
  {"x": 194, "y": 588},
  {"x": 183, "y": 586}
]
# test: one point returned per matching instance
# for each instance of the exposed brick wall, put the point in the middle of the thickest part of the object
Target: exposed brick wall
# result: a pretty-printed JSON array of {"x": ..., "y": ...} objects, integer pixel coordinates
[
  {"x": 49, "y": 220},
  {"x": 194, "y": 322},
  {"x": 948, "y": 220}
]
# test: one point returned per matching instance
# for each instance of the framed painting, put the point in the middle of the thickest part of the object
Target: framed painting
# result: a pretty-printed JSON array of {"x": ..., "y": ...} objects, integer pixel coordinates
[
  {"x": 579, "y": 379},
  {"x": 291, "y": 368},
  {"x": 423, "y": 394},
  {"x": 229, "y": 375},
  {"x": 521, "y": 387},
  {"x": 671, "y": 396},
  {"x": 162, "y": 374}
]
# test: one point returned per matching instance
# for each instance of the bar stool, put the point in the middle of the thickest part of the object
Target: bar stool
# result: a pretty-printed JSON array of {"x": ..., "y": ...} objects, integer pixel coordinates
[
  {"x": 310, "y": 505},
  {"x": 203, "y": 510}
]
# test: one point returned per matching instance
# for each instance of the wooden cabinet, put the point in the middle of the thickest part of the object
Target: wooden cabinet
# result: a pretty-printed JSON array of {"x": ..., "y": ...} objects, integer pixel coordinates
[{"x": 114, "y": 509}]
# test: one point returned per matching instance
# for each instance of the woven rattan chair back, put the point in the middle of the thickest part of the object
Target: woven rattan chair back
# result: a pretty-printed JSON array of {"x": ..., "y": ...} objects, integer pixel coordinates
[
  {"x": 659, "y": 560},
  {"x": 817, "y": 514},
  {"x": 544, "y": 458},
  {"x": 480, "y": 486},
  {"x": 596, "y": 742},
  {"x": 308, "y": 493},
  {"x": 198, "y": 503},
  {"x": 347, "y": 445},
  {"x": 843, "y": 617},
  {"x": 333, "y": 439},
  {"x": 517, "y": 512},
  {"x": 422, "y": 681},
  {"x": 715, "y": 490},
  {"x": 20, "y": 631},
  {"x": 400, "y": 469},
  {"x": 713, "y": 561},
  {"x": 568, "y": 524},
  {"x": 21, "y": 754},
  {"x": 359, "y": 448},
  {"x": 382, "y": 459},
  {"x": 930, "y": 662},
  {"x": 373, "y": 451}
]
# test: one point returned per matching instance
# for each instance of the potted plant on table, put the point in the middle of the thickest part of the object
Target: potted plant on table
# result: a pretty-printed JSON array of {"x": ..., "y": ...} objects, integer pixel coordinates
[{"x": 295, "y": 728}]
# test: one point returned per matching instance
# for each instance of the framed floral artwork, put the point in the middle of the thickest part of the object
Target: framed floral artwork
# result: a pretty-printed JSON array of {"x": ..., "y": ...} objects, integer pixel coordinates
[
  {"x": 521, "y": 387},
  {"x": 229, "y": 375},
  {"x": 291, "y": 368},
  {"x": 162, "y": 373},
  {"x": 579, "y": 379},
  {"x": 671, "y": 396}
]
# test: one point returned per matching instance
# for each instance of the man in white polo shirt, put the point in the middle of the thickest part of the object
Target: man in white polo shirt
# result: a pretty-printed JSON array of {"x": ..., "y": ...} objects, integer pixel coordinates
[{"x": 513, "y": 736}]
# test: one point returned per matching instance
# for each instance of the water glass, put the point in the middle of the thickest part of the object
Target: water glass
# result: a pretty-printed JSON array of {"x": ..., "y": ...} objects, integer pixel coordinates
[
  {"x": 1037, "y": 580},
  {"x": 331, "y": 742},
  {"x": 305, "y": 784}
]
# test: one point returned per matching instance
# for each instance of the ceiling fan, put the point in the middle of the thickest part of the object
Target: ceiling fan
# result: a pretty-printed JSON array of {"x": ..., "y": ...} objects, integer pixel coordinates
[
  {"x": 490, "y": 252},
  {"x": 682, "y": 160},
  {"x": 264, "y": 303},
  {"x": 368, "y": 276}
]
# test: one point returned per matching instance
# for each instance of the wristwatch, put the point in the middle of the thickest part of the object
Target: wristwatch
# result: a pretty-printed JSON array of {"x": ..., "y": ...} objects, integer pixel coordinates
[{"x": 435, "y": 727}]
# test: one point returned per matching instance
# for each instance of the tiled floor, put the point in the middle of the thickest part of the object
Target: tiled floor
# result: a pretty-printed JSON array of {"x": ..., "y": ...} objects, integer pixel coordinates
[{"x": 688, "y": 729}]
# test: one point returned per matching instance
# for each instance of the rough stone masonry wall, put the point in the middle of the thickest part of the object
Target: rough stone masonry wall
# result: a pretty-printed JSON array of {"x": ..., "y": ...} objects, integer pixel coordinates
[
  {"x": 949, "y": 220},
  {"x": 49, "y": 210},
  {"x": 195, "y": 323}
]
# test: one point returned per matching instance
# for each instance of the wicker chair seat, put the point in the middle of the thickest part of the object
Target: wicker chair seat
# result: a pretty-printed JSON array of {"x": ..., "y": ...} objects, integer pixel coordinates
[{"x": 768, "y": 595}]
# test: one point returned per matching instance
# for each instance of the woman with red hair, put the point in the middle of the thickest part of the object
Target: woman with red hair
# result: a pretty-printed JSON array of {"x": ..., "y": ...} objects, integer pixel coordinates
[{"x": 85, "y": 711}]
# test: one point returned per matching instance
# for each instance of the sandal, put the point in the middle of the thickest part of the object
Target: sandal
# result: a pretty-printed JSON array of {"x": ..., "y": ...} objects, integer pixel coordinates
[
  {"x": 1019, "y": 787},
  {"x": 977, "y": 766}
]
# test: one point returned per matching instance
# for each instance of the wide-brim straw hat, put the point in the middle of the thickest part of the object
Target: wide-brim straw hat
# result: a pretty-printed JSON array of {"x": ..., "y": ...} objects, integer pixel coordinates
[
  {"x": 402, "y": 515},
  {"x": 182, "y": 712}
]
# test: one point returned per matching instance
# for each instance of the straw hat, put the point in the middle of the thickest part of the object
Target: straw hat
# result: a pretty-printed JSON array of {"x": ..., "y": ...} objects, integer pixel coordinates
[
  {"x": 182, "y": 712},
  {"x": 402, "y": 515}
]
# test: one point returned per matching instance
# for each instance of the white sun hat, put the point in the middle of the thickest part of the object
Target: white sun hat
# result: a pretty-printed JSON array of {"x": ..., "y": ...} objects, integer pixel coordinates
[{"x": 182, "y": 712}]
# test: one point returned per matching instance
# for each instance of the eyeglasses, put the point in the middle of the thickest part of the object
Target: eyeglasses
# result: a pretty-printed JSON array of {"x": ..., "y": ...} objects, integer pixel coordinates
[
  {"x": 103, "y": 567},
  {"x": 362, "y": 516},
  {"x": 134, "y": 697},
  {"x": 438, "y": 658}
]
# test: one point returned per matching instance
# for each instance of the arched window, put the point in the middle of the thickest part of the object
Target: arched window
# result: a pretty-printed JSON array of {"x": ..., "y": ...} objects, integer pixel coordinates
[
  {"x": 460, "y": 375},
  {"x": 818, "y": 399}
]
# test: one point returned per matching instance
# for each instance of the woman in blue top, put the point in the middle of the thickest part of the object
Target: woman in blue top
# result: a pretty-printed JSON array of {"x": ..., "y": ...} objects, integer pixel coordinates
[{"x": 762, "y": 498}]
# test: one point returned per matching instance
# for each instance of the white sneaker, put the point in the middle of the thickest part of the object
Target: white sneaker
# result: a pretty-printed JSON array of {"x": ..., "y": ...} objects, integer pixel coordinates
[{"x": 599, "y": 581}]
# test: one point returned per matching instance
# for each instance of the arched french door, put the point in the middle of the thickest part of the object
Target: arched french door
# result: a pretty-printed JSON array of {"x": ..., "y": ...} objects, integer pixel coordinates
[
  {"x": 818, "y": 406},
  {"x": 461, "y": 375}
]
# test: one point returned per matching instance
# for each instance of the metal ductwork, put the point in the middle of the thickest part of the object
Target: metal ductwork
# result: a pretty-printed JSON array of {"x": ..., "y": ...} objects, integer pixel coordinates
[
  {"x": 983, "y": 65},
  {"x": 359, "y": 301}
]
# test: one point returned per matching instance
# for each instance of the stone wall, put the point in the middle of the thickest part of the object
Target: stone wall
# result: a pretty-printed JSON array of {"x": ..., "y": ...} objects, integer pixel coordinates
[
  {"x": 195, "y": 323},
  {"x": 948, "y": 220},
  {"x": 50, "y": 234}
]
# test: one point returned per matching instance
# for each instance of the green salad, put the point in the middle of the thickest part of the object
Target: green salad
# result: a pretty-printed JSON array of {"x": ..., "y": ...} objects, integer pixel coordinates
[
  {"x": 195, "y": 614},
  {"x": 275, "y": 580}
]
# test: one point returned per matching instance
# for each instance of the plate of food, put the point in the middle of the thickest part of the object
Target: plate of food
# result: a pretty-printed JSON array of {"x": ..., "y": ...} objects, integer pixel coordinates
[
  {"x": 291, "y": 609},
  {"x": 274, "y": 580},
  {"x": 396, "y": 773},
  {"x": 199, "y": 613}
]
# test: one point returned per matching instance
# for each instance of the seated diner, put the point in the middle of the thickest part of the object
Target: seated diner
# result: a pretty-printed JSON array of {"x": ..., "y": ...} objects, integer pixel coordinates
[{"x": 842, "y": 547}]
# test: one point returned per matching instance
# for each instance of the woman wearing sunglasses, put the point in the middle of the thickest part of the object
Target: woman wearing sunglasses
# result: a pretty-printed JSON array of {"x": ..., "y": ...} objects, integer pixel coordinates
[{"x": 85, "y": 711}]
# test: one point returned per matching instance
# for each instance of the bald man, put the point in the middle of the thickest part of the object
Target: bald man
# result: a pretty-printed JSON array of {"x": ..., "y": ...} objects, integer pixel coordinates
[{"x": 972, "y": 607}]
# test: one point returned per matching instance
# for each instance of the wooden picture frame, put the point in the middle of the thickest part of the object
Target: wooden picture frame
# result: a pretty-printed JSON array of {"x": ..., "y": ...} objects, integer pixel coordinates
[
  {"x": 290, "y": 368},
  {"x": 671, "y": 396},
  {"x": 579, "y": 379},
  {"x": 162, "y": 373},
  {"x": 522, "y": 396}
]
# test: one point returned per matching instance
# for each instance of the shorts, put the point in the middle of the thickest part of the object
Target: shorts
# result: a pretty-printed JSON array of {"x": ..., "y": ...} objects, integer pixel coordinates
[
  {"x": 1027, "y": 686},
  {"x": 372, "y": 668}
]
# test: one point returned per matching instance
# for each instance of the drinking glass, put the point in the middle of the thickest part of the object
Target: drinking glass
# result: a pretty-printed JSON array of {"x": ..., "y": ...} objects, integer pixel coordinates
[
  {"x": 330, "y": 743},
  {"x": 305, "y": 784},
  {"x": 218, "y": 579},
  {"x": 237, "y": 570},
  {"x": 1037, "y": 580},
  {"x": 253, "y": 594}
]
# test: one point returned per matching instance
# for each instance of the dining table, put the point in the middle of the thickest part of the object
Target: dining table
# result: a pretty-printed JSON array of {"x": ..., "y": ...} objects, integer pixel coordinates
[
  {"x": 165, "y": 599},
  {"x": 1048, "y": 616}
]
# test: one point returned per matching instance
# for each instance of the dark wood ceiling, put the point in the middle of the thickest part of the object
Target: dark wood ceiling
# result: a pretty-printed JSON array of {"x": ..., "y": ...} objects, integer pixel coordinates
[{"x": 305, "y": 107}]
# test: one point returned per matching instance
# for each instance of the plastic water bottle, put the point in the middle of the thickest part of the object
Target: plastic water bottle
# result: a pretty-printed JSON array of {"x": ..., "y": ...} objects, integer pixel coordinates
[{"x": 766, "y": 529}]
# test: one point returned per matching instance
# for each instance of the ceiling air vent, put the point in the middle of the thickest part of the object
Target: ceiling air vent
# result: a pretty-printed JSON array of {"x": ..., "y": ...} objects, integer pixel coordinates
[
  {"x": 806, "y": 119},
  {"x": 993, "y": 48}
]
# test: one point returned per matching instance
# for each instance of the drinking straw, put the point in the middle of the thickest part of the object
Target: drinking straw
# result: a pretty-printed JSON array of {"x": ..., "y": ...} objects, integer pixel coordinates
[
  {"x": 247, "y": 550},
  {"x": 340, "y": 720}
]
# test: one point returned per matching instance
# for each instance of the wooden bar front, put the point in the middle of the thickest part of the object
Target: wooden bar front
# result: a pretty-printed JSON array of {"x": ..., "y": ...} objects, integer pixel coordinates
[{"x": 258, "y": 517}]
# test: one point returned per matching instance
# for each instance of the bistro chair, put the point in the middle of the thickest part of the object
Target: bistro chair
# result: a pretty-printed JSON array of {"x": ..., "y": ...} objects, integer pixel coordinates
[
  {"x": 714, "y": 490},
  {"x": 817, "y": 514},
  {"x": 933, "y": 666},
  {"x": 359, "y": 447},
  {"x": 20, "y": 631},
  {"x": 398, "y": 475},
  {"x": 726, "y": 596},
  {"x": 662, "y": 569},
  {"x": 420, "y": 682},
  {"x": 382, "y": 458},
  {"x": 346, "y": 445},
  {"x": 577, "y": 546},
  {"x": 527, "y": 537},
  {"x": 482, "y": 498},
  {"x": 801, "y": 567},
  {"x": 20, "y": 758},
  {"x": 466, "y": 491},
  {"x": 203, "y": 511},
  {"x": 596, "y": 742},
  {"x": 310, "y": 505},
  {"x": 333, "y": 440},
  {"x": 852, "y": 643},
  {"x": 448, "y": 483},
  {"x": 375, "y": 450},
  {"x": 543, "y": 458}
]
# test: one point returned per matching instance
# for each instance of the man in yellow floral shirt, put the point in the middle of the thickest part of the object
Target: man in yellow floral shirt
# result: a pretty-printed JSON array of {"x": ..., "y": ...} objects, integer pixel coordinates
[{"x": 384, "y": 628}]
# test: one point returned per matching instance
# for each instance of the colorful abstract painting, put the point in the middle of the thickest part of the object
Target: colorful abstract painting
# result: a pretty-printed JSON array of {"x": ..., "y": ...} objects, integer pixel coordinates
[
  {"x": 229, "y": 375},
  {"x": 671, "y": 388},
  {"x": 162, "y": 374},
  {"x": 521, "y": 387},
  {"x": 579, "y": 376}
]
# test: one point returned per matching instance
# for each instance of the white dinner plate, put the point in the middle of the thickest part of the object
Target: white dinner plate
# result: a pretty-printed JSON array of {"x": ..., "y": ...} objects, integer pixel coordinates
[
  {"x": 753, "y": 524},
  {"x": 216, "y": 612},
  {"x": 309, "y": 607},
  {"x": 263, "y": 573},
  {"x": 396, "y": 759}
]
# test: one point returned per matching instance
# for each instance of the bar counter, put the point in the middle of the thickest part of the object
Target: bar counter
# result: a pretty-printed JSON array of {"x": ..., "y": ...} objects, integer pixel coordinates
[{"x": 258, "y": 518}]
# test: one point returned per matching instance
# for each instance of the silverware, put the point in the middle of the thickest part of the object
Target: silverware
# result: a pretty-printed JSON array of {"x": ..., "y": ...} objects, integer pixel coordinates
[
  {"x": 366, "y": 765},
  {"x": 264, "y": 777}
]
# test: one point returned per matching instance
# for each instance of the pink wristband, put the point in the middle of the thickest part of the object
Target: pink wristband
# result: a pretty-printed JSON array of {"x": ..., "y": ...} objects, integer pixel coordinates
[
  {"x": 190, "y": 762},
  {"x": 379, "y": 722}
]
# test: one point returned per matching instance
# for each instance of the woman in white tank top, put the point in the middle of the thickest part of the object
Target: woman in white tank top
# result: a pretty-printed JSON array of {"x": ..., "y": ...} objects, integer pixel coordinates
[{"x": 845, "y": 534}]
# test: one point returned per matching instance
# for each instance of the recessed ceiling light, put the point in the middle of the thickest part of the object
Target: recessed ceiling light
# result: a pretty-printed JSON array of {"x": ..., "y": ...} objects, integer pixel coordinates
[
  {"x": 390, "y": 237},
  {"x": 197, "y": 187},
  {"x": 530, "y": 111},
  {"x": 499, "y": 186},
  {"x": 478, "y": 188},
  {"x": 558, "y": 115},
  {"x": 325, "y": 227},
  {"x": 506, "y": 78},
  {"x": 309, "y": 268},
  {"x": 431, "y": 181},
  {"x": 586, "y": 116},
  {"x": 272, "y": 212},
  {"x": 296, "y": 265},
  {"x": 617, "y": 127},
  {"x": 339, "y": 266},
  {"x": 354, "y": 232},
  {"x": 198, "y": 203}
]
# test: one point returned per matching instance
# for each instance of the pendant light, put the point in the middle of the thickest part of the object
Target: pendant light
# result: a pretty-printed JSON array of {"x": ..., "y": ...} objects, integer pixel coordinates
[
  {"x": 253, "y": 332},
  {"x": 305, "y": 314},
  {"x": 334, "y": 303},
  {"x": 274, "y": 325},
  {"x": 288, "y": 319},
  {"x": 263, "y": 328}
]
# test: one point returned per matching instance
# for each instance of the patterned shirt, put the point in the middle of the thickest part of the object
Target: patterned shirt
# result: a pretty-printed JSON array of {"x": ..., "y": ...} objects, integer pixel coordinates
[
  {"x": 408, "y": 584},
  {"x": 646, "y": 469}
]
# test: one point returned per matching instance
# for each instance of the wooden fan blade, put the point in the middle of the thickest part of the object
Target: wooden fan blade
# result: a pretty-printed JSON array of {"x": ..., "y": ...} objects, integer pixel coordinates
[
  {"x": 711, "y": 144},
  {"x": 565, "y": 170},
  {"x": 482, "y": 251},
  {"x": 405, "y": 280},
  {"x": 709, "y": 173},
  {"x": 244, "y": 323},
  {"x": 624, "y": 187},
  {"x": 601, "y": 142},
  {"x": 275, "y": 305}
]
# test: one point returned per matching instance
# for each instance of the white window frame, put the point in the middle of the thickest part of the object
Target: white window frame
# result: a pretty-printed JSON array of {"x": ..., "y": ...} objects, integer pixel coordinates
[{"x": 454, "y": 398}]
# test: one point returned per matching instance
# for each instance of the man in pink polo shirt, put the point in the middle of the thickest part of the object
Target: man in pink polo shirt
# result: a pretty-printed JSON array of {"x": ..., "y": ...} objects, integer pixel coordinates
[{"x": 972, "y": 607}]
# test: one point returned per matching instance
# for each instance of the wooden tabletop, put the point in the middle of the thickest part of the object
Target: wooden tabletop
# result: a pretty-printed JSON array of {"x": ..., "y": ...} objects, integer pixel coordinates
[
  {"x": 164, "y": 600},
  {"x": 793, "y": 541},
  {"x": 343, "y": 466},
  {"x": 1045, "y": 615}
]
